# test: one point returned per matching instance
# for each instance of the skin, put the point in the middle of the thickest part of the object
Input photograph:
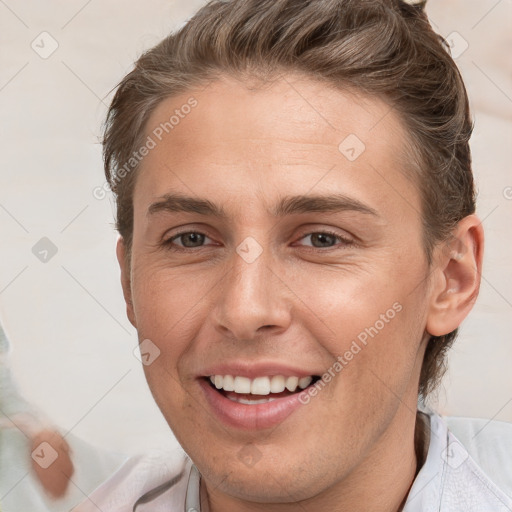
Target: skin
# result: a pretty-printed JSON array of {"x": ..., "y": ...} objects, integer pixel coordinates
[
  {"x": 302, "y": 301},
  {"x": 54, "y": 478}
]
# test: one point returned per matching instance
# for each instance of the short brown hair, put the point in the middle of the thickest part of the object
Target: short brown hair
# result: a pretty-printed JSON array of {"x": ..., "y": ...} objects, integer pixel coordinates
[{"x": 384, "y": 48}]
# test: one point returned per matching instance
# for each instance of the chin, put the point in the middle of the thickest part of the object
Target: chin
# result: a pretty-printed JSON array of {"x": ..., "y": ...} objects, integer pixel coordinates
[{"x": 280, "y": 481}]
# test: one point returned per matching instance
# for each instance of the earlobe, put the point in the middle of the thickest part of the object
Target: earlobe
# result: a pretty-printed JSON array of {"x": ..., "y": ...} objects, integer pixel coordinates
[
  {"x": 125, "y": 279},
  {"x": 457, "y": 277}
]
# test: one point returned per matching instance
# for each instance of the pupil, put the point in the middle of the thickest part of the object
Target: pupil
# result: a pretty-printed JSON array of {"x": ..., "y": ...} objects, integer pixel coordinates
[
  {"x": 322, "y": 236},
  {"x": 195, "y": 238}
]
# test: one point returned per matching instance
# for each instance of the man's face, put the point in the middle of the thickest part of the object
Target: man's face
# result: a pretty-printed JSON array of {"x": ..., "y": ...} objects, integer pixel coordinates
[{"x": 267, "y": 294}]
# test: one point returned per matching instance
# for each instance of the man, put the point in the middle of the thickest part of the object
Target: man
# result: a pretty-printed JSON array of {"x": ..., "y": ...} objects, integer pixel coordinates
[{"x": 298, "y": 248}]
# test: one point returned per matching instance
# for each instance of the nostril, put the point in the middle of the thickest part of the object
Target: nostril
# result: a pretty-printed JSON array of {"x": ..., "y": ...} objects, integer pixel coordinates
[{"x": 266, "y": 327}]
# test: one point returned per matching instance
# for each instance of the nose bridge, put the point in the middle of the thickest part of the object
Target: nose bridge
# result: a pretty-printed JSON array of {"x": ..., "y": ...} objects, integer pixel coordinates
[
  {"x": 251, "y": 274},
  {"x": 251, "y": 295}
]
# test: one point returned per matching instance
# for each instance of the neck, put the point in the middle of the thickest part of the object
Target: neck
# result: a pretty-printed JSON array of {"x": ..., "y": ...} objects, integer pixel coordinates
[{"x": 381, "y": 482}]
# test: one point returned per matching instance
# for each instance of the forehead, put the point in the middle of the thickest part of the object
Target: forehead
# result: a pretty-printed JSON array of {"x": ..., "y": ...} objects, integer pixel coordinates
[{"x": 293, "y": 134}]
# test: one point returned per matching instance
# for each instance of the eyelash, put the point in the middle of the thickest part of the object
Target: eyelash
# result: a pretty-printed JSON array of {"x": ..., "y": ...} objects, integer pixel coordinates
[{"x": 344, "y": 241}]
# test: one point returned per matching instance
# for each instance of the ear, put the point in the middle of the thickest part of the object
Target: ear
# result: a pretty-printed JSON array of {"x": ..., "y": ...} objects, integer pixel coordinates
[
  {"x": 125, "y": 279},
  {"x": 456, "y": 278}
]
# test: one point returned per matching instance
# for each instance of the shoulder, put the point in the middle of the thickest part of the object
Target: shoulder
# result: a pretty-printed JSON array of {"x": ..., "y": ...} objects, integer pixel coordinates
[
  {"x": 138, "y": 476},
  {"x": 489, "y": 443},
  {"x": 468, "y": 467}
]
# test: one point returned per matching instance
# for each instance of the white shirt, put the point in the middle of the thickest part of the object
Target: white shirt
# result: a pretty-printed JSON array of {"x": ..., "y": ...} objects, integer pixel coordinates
[{"x": 452, "y": 479}]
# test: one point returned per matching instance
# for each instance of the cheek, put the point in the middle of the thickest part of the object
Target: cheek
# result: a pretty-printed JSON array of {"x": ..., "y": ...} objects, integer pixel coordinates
[
  {"x": 351, "y": 303},
  {"x": 371, "y": 324},
  {"x": 167, "y": 307},
  {"x": 167, "y": 300}
]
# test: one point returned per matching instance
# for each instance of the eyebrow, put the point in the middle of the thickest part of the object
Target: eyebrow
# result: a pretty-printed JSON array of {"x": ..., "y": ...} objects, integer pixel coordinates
[{"x": 287, "y": 205}]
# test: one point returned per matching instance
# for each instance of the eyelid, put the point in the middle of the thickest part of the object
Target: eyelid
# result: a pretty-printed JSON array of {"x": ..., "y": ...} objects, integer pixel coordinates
[
  {"x": 344, "y": 239},
  {"x": 326, "y": 229},
  {"x": 184, "y": 229},
  {"x": 170, "y": 240}
]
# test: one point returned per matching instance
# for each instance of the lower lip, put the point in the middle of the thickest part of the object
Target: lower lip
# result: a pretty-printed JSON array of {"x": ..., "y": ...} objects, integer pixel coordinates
[{"x": 250, "y": 417}]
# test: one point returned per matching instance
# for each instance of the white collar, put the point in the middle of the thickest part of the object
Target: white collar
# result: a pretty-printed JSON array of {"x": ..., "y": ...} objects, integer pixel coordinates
[{"x": 193, "y": 496}]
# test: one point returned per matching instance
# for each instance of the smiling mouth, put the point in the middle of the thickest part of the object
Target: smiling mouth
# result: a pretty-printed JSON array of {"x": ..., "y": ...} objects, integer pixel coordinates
[{"x": 259, "y": 390}]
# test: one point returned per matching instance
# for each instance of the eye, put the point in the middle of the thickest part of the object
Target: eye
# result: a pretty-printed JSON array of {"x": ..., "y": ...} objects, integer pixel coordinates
[
  {"x": 326, "y": 239},
  {"x": 195, "y": 239},
  {"x": 188, "y": 239}
]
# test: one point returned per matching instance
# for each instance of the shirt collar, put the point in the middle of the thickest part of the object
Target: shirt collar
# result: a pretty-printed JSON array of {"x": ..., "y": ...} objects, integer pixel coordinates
[{"x": 193, "y": 496}]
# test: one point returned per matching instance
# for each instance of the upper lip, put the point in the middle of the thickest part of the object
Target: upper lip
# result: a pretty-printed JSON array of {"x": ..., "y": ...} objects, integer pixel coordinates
[{"x": 259, "y": 369}]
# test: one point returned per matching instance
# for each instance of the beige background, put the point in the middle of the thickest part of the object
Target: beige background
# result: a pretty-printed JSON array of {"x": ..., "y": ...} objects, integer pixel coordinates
[{"x": 72, "y": 342}]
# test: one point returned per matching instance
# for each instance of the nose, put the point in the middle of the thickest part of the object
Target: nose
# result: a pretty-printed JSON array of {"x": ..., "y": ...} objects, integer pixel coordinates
[{"x": 253, "y": 299}]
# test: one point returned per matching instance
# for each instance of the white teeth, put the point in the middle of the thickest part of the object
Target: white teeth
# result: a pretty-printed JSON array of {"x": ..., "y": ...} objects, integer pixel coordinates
[
  {"x": 292, "y": 383},
  {"x": 305, "y": 382},
  {"x": 246, "y": 401},
  {"x": 241, "y": 385},
  {"x": 259, "y": 385},
  {"x": 277, "y": 384},
  {"x": 229, "y": 383}
]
